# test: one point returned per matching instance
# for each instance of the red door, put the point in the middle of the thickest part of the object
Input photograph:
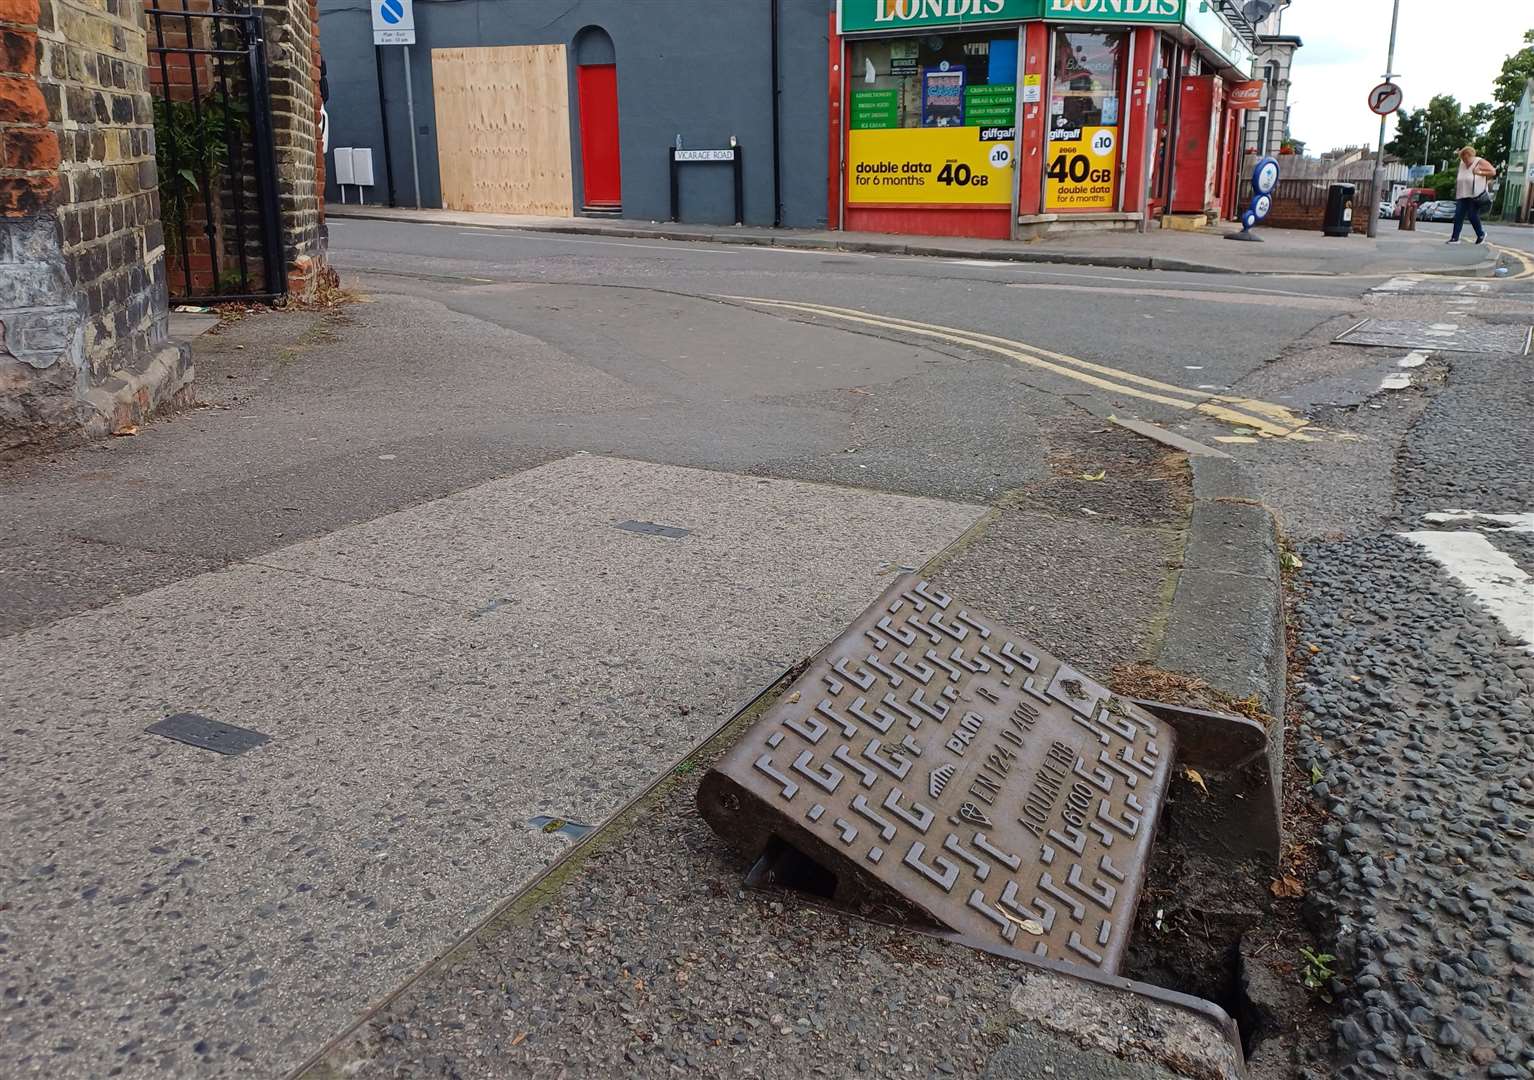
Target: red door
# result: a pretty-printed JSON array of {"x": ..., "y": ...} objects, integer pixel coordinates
[
  {"x": 597, "y": 86},
  {"x": 1197, "y": 146}
]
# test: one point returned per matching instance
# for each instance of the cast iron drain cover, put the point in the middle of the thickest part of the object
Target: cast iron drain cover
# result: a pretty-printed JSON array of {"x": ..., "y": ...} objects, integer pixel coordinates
[
  {"x": 1442, "y": 336},
  {"x": 650, "y": 528},
  {"x": 939, "y": 764},
  {"x": 205, "y": 734}
]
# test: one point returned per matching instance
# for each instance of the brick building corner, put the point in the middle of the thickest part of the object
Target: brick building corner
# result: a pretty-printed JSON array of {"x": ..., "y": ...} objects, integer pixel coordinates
[
  {"x": 83, "y": 309},
  {"x": 292, "y": 30}
]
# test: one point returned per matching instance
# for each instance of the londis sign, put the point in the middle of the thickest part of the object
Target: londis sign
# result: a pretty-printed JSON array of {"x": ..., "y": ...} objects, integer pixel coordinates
[
  {"x": 860, "y": 15},
  {"x": 1115, "y": 11}
]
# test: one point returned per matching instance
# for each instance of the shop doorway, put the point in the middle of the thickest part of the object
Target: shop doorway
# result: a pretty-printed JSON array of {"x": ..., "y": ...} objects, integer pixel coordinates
[
  {"x": 596, "y": 87},
  {"x": 1082, "y": 171}
]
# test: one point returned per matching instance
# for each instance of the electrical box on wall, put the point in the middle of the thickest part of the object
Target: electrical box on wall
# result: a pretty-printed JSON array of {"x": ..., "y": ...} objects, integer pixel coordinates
[
  {"x": 353, "y": 165},
  {"x": 362, "y": 166}
]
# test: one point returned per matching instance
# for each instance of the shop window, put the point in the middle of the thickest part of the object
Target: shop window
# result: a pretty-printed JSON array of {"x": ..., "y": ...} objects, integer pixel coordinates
[
  {"x": 1085, "y": 116},
  {"x": 932, "y": 122},
  {"x": 947, "y": 80}
]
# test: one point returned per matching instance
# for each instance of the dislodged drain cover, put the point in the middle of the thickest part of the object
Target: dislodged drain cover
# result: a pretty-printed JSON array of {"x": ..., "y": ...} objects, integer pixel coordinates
[
  {"x": 938, "y": 763},
  {"x": 199, "y": 731},
  {"x": 1443, "y": 336}
]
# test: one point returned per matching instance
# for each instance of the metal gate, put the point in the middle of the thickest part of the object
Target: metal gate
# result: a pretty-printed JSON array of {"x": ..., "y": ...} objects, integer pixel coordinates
[{"x": 214, "y": 152}]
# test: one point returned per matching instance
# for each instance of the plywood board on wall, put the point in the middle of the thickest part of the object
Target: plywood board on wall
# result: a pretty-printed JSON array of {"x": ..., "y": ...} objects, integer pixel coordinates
[{"x": 503, "y": 129}]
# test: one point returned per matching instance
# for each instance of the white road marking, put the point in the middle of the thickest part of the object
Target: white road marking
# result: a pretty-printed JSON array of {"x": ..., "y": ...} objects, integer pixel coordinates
[
  {"x": 1521, "y": 523},
  {"x": 1488, "y": 574}
]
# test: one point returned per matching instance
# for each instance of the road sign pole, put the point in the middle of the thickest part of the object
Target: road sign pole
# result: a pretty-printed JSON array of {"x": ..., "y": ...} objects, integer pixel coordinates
[
  {"x": 1379, "y": 154},
  {"x": 415, "y": 163}
]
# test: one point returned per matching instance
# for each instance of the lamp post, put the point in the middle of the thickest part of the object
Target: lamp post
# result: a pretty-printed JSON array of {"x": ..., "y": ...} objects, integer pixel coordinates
[{"x": 1379, "y": 154}]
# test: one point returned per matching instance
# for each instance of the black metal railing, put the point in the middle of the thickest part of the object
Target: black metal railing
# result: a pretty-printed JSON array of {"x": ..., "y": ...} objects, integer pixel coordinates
[{"x": 214, "y": 152}]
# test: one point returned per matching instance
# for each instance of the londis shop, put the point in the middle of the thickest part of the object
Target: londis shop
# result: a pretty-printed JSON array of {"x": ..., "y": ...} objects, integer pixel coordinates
[{"x": 1014, "y": 118}]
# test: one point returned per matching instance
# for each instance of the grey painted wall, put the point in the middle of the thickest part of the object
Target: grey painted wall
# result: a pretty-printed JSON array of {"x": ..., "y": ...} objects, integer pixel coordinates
[{"x": 695, "y": 67}]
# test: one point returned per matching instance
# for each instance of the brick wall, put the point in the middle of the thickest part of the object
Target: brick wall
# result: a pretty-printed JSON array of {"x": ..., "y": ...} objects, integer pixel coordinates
[
  {"x": 82, "y": 299},
  {"x": 293, "y": 54}
]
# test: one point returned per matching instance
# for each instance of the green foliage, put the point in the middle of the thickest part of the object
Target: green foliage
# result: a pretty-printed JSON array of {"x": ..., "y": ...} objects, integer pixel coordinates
[
  {"x": 1517, "y": 70},
  {"x": 1317, "y": 972},
  {"x": 191, "y": 149},
  {"x": 1452, "y": 127},
  {"x": 1443, "y": 183}
]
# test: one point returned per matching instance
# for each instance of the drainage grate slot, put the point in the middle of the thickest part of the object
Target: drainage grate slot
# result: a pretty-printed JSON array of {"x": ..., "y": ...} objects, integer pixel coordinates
[
  {"x": 205, "y": 734},
  {"x": 650, "y": 528}
]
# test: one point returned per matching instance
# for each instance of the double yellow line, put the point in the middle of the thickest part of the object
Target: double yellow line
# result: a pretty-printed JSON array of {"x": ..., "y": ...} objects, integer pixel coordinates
[
  {"x": 1525, "y": 258},
  {"x": 1265, "y": 418}
]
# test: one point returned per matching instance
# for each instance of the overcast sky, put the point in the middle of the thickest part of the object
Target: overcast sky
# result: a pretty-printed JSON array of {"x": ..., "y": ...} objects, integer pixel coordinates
[{"x": 1441, "y": 48}]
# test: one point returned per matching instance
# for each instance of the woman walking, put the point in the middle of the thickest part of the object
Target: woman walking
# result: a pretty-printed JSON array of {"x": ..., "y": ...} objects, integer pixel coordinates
[{"x": 1470, "y": 188}]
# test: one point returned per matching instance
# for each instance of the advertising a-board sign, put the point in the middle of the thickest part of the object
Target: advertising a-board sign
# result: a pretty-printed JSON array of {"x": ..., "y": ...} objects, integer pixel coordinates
[
  {"x": 1083, "y": 169},
  {"x": 930, "y": 167}
]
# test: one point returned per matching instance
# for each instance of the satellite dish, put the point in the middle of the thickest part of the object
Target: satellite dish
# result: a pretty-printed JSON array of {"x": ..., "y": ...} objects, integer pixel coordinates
[{"x": 1256, "y": 10}]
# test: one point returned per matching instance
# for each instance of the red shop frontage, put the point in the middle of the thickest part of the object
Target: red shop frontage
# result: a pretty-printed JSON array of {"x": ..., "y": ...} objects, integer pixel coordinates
[{"x": 1021, "y": 118}]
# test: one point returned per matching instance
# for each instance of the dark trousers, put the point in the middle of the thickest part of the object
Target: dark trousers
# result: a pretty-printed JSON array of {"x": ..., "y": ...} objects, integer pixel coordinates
[{"x": 1462, "y": 207}]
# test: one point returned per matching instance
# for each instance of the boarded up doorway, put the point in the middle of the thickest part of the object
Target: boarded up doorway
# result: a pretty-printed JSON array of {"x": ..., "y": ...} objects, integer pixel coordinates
[{"x": 503, "y": 129}]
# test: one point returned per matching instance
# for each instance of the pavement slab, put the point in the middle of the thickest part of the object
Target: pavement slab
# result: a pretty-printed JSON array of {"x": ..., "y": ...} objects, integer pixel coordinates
[{"x": 430, "y": 681}]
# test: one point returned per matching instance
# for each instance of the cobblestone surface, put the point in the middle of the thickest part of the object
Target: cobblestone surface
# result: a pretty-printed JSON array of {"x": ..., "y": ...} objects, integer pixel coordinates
[
  {"x": 1421, "y": 736},
  {"x": 1416, "y": 714}
]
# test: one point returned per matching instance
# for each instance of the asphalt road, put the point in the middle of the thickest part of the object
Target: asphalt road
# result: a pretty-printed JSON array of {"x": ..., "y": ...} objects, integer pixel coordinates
[{"x": 1193, "y": 330}]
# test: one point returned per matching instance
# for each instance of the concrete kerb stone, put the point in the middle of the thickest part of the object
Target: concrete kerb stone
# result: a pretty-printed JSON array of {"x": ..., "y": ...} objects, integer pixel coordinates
[
  {"x": 892, "y": 246},
  {"x": 1227, "y": 628}
]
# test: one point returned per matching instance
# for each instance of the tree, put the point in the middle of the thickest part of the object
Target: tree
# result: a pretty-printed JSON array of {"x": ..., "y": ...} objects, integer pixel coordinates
[
  {"x": 1517, "y": 70},
  {"x": 1452, "y": 128}
]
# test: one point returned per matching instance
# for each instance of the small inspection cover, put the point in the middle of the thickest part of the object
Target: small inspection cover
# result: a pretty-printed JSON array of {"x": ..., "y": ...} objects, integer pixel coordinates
[
  {"x": 650, "y": 528},
  {"x": 205, "y": 734},
  {"x": 1442, "y": 336}
]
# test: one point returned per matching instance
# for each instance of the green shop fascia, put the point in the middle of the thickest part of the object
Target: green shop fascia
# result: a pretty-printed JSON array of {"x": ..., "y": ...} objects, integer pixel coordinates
[{"x": 885, "y": 16}]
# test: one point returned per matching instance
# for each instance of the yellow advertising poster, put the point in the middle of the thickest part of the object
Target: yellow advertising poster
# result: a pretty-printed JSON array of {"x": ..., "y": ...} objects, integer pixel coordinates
[
  {"x": 1083, "y": 170},
  {"x": 950, "y": 166}
]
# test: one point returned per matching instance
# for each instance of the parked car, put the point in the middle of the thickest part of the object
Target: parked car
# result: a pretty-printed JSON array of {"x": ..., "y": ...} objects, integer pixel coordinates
[
  {"x": 1385, "y": 211},
  {"x": 1419, "y": 196},
  {"x": 1440, "y": 210}
]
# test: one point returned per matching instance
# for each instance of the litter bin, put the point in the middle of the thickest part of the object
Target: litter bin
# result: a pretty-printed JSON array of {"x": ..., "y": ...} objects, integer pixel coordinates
[{"x": 1339, "y": 210}]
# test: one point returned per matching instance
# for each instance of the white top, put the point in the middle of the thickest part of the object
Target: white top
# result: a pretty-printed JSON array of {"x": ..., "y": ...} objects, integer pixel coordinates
[{"x": 1467, "y": 185}]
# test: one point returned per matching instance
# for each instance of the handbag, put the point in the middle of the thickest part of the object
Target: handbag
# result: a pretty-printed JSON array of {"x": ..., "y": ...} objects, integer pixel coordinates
[{"x": 1483, "y": 197}]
